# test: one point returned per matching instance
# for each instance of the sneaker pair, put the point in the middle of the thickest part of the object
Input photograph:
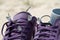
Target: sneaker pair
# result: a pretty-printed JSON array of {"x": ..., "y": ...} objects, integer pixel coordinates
[{"x": 22, "y": 27}]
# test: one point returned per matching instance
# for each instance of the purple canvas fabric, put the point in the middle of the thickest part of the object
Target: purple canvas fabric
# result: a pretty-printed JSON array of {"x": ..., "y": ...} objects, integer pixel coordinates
[
  {"x": 46, "y": 31},
  {"x": 20, "y": 28},
  {"x": 57, "y": 23}
]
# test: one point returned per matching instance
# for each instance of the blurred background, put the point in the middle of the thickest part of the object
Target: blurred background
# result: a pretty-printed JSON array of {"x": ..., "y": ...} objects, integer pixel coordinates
[{"x": 38, "y": 8}]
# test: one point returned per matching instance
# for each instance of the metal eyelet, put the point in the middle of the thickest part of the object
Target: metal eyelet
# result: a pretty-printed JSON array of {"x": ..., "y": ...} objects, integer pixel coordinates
[
  {"x": 47, "y": 25},
  {"x": 47, "y": 21},
  {"x": 38, "y": 21},
  {"x": 19, "y": 28},
  {"x": 29, "y": 18},
  {"x": 8, "y": 17}
]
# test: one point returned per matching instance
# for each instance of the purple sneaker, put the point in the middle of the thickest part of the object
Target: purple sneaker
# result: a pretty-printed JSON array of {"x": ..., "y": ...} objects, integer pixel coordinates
[
  {"x": 20, "y": 28},
  {"x": 47, "y": 31},
  {"x": 57, "y": 23}
]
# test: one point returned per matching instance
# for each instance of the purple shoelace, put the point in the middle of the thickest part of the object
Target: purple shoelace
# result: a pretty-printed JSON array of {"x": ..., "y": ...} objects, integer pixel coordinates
[
  {"x": 14, "y": 32},
  {"x": 47, "y": 32},
  {"x": 21, "y": 29}
]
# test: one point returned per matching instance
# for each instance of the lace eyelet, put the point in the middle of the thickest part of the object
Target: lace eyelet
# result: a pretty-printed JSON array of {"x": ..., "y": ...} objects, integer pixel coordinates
[
  {"x": 29, "y": 18},
  {"x": 19, "y": 28}
]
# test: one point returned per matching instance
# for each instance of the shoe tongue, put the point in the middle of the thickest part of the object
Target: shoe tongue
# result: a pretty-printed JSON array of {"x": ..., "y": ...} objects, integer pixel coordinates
[{"x": 21, "y": 15}]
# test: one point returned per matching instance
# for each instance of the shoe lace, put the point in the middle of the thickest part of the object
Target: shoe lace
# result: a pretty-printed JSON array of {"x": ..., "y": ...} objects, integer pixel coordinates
[
  {"x": 12, "y": 32},
  {"x": 46, "y": 32}
]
